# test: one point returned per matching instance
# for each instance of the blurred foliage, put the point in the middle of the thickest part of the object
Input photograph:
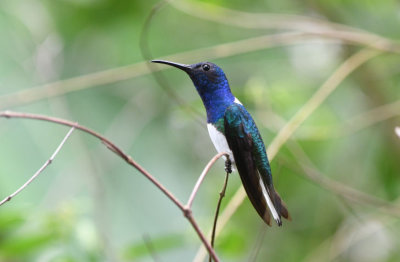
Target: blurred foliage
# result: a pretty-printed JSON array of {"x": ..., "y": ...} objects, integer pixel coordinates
[
  {"x": 90, "y": 206},
  {"x": 154, "y": 247}
]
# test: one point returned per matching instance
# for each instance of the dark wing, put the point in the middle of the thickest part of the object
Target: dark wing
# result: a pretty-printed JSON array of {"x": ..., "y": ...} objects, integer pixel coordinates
[{"x": 251, "y": 161}]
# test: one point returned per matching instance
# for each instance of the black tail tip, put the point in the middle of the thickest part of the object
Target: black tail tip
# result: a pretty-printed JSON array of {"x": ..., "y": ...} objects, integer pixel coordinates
[{"x": 282, "y": 209}]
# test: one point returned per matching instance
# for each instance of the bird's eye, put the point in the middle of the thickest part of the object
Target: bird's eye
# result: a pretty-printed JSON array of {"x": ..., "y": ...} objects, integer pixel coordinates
[{"x": 206, "y": 67}]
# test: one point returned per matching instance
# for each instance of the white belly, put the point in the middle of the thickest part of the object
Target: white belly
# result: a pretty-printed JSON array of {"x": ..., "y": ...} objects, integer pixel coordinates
[{"x": 220, "y": 142}]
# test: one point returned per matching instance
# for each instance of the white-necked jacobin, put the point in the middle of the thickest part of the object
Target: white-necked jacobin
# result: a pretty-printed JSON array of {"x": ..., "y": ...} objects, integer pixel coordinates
[{"x": 232, "y": 130}]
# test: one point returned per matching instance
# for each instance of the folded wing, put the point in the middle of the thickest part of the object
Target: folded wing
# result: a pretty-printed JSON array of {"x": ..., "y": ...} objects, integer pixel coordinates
[{"x": 252, "y": 163}]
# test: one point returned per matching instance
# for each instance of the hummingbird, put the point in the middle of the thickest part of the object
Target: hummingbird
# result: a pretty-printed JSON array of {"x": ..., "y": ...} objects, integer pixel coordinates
[{"x": 233, "y": 130}]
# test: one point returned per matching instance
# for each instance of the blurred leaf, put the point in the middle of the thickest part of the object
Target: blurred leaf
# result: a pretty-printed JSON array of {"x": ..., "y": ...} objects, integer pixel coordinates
[
  {"x": 9, "y": 222},
  {"x": 159, "y": 245},
  {"x": 233, "y": 243},
  {"x": 25, "y": 244}
]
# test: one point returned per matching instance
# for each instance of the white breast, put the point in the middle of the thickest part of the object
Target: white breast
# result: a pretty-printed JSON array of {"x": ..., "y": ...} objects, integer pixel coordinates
[{"x": 219, "y": 141}]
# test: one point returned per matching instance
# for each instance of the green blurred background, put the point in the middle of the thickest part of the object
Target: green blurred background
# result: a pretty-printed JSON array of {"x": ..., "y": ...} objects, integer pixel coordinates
[{"x": 89, "y": 205}]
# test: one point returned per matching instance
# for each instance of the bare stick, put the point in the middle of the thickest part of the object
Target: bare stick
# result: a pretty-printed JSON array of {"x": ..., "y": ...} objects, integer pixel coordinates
[
  {"x": 108, "y": 143},
  {"x": 46, "y": 164},
  {"x": 202, "y": 176},
  {"x": 221, "y": 196},
  {"x": 188, "y": 214},
  {"x": 186, "y": 211}
]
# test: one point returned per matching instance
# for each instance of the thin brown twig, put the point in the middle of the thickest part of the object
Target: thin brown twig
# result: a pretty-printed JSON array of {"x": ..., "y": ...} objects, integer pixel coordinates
[
  {"x": 186, "y": 211},
  {"x": 43, "y": 167},
  {"x": 189, "y": 215},
  {"x": 108, "y": 144},
  {"x": 202, "y": 176},
  {"x": 227, "y": 213},
  {"x": 221, "y": 196}
]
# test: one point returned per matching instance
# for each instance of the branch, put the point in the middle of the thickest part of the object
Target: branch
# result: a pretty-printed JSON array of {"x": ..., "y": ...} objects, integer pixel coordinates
[
  {"x": 45, "y": 165},
  {"x": 221, "y": 196},
  {"x": 186, "y": 211},
  {"x": 202, "y": 176},
  {"x": 108, "y": 144}
]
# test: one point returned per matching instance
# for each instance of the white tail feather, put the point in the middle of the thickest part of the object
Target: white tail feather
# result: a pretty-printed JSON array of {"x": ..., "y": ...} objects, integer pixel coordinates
[{"x": 269, "y": 203}]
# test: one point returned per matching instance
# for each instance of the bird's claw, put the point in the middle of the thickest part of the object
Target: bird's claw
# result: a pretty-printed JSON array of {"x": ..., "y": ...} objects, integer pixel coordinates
[{"x": 228, "y": 166}]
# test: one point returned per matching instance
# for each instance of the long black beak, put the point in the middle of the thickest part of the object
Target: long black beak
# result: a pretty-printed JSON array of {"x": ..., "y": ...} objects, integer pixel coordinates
[{"x": 183, "y": 67}]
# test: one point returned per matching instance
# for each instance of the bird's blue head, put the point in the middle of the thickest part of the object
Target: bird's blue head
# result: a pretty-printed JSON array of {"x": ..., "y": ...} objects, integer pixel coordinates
[{"x": 211, "y": 84}]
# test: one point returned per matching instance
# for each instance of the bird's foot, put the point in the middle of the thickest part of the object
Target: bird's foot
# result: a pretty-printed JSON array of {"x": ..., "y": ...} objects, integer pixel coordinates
[{"x": 228, "y": 166}]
